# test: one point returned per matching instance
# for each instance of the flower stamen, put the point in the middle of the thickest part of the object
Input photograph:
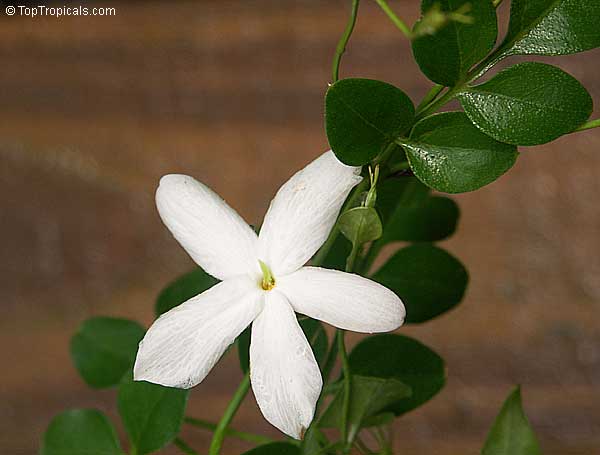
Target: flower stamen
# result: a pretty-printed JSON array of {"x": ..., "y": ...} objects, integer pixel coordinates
[{"x": 268, "y": 281}]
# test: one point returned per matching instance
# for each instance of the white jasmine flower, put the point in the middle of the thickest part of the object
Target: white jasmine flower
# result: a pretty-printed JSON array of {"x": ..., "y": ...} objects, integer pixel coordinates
[{"x": 263, "y": 283}]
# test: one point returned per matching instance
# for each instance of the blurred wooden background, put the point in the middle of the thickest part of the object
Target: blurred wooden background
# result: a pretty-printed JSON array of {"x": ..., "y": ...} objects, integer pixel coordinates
[{"x": 95, "y": 109}]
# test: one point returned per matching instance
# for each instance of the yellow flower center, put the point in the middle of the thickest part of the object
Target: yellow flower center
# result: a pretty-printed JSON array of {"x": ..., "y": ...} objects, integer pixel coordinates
[{"x": 268, "y": 280}]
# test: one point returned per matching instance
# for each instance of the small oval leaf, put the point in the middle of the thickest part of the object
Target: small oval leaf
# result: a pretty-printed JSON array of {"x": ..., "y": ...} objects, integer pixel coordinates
[
  {"x": 152, "y": 414},
  {"x": 446, "y": 56},
  {"x": 429, "y": 281},
  {"x": 360, "y": 225},
  {"x": 80, "y": 431},
  {"x": 402, "y": 358},
  {"x": 103, "y": 349},
  {"x": 448, "y": 153},
  {"x": 552, "y": 27},
  {"x": 528, "y": 104},
  {"x": 363, "y": 116}
]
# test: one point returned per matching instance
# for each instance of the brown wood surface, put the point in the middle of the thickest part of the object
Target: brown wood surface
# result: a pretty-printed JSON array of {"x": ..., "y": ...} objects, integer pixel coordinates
[{"x": 94, "y": 110}]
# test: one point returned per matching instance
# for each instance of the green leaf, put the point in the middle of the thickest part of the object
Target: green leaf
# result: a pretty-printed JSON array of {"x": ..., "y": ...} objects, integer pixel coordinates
[
  {"x": 152, "y": 414},
  {"x": 360, "y": 225},
  {"x": 405, "y": 192},
  {"x": 313, "y": 330},
  {"x": 275, "y": 448},
  {"x": 402, "y": 358},
  {"x": 80, "y": 432},
  {"x": 183, "y": 288},
  {"x": 511, "y": 433},
  {"x": 446, "y": 56},
  {"x": 363, "y": 116},
  {"x": 448, "y": 153},
  {"x": 528, "y": 104},
  {"x": 428, "y": 280},
  {"x": 552, "y": 27},
  {"x": 104, "y": 349},
  {"x": 368, "y": 396}
]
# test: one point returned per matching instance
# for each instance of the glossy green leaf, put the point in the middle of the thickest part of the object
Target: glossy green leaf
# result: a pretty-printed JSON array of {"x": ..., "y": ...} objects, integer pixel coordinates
[
  {"x": 104, "y": 349},
  {"x": 448, "y": 153},
  {"x": 275, "y": 448},
  {"x": 429, "y": 280},
  {"x": 402, "y": 358},
  {"x": 183, "y": 288},
  {"x": 511, "y": 433},
  {"x": 313, "y": 330},
  {"x": 80, "y": 432},
  {"x": 447, "y": 55},
  {"x": 552, "y": 27},
  {"x": 528, "y": 104},
  {"x": 152, "y": 414},
  {"x": 363, "y": 116},
  {"x": 368, "y": 396},
  {"x": 360, "y": 225}
]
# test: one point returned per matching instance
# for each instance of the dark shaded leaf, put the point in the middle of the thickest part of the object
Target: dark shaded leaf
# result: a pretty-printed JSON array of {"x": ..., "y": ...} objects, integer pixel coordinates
[
  {"x": 363, "y": 116},
  {"x": 402, "y": 358},
  {"x": 104, "y": 349},
  {"x": 152, "y": 414},
  {"x": 368, "y": 396},
  {"x": 446, "y": 56},
  {"x": 428, "y": 280},
  {"x": 183, "y": 288},
  {"x": 80, "y": 432}
]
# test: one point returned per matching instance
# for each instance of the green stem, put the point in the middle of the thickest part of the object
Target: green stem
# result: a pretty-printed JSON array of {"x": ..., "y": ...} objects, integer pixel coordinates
[
  {"x": 243, "y": 435},
  {"x": 351, "y": 260},
  {"x": 341, "y": 47},
  {"x": 347, "y": 389},
  {"x": 234, "y": 404},
  {"x": 589, "y": 125},
  {"x": 399, "y": 23},
  {"x": 431, "y": 95},
  {"x": 402, "y": 166},
  {"x": 497, "y": 3},
  {"x": 181, "y": 444}
]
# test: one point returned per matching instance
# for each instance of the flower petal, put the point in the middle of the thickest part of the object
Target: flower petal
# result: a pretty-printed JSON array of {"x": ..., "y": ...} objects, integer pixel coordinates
[
  {"x": 212, "y": 233},
  {"x": 183, "y": 345},
  {"x": 285, "y": 376},
  {"x": 343, "y": 300},
  {"x": 303, "y": 212}
]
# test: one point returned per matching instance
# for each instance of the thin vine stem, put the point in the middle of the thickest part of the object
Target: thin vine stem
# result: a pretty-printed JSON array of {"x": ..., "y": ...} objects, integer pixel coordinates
[
  {"x": 234, "y": 404},
  {"x": 430, "y": 96},
  {"x": 589, "y": 125},
  {"x": 399, "y": 23},
  {"x": 341, "y": 47},
  {"x": 243, "y": 435}
]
